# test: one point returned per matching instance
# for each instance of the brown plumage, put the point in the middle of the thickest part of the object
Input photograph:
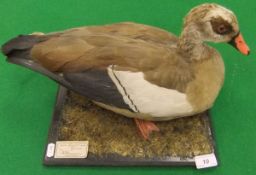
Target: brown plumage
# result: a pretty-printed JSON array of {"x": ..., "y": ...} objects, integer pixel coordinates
[
  {"x": 184, "y": 66},
  {"x": 131, "y": 46}
]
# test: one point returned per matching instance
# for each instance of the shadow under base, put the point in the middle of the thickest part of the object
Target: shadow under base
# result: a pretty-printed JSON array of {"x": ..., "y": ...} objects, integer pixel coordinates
[{"x": 115, "y": 140}]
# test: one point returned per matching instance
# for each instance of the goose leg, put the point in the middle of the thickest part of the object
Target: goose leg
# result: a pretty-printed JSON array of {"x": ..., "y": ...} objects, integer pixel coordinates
[{"x": 146, "y": 127}]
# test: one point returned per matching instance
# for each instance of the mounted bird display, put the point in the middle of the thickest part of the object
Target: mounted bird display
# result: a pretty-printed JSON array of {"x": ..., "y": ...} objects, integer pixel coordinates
[{"x": 136, "y": 70}]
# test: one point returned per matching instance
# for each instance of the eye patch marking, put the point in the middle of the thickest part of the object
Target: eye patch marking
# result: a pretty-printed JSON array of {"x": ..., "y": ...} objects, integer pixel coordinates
[{"x": 221, "y": 26}]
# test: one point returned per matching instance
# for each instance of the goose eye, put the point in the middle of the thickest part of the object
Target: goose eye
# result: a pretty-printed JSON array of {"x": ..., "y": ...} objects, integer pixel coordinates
[
  {"x": 220, "y": 26},
  {"x": 222, "y": 29}
]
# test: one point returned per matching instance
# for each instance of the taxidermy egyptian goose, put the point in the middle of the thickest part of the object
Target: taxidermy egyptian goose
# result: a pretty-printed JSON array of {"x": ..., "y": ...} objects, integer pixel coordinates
[{"x": 137, "y": 70}]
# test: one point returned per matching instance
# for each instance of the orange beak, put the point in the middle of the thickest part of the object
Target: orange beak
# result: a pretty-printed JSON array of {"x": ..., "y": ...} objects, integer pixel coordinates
[{"x": 239, "y": 43}]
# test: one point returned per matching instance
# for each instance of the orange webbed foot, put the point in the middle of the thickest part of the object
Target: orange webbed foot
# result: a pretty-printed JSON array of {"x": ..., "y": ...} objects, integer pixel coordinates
[{"x": 146, "y": 127}]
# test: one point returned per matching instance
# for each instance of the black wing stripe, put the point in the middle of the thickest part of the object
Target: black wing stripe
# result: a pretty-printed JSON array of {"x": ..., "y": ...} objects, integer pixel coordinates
[
  {"x": 125, "y": 92},
  {"x": 98, "y": 86}
]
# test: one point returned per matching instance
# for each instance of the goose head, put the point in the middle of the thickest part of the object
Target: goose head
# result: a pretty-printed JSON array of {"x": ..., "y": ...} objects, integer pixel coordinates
[{"x": 214, "y": 23}]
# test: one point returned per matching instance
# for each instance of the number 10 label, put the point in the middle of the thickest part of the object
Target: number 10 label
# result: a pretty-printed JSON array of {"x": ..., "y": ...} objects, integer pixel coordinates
[{"x": 206, "y": 161}]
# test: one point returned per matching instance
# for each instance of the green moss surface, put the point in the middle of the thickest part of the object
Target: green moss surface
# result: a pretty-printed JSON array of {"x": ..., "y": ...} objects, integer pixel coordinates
[{"x": 110, "y": 133}]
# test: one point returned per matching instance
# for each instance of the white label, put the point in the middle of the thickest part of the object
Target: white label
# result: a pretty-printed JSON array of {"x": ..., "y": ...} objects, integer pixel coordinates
[
  {"x": 50, "y": 150},
  {"x": 71, "y": 149},
  {"x": 206, "y": 161}
]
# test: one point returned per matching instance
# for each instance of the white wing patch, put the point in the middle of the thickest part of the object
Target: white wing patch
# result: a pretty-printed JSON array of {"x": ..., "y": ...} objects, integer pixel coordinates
[{"x": 145, "y": 97}]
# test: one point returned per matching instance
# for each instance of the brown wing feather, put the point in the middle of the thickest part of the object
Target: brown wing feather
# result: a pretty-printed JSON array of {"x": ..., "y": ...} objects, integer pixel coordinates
[
  {"x": 127, "y": 29},
  {"x": 73, "y": 52}
]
